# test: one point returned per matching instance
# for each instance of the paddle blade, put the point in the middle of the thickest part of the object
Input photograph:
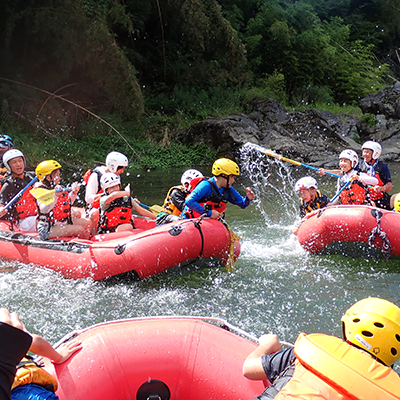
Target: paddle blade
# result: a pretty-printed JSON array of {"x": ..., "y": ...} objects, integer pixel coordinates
[
  {"x": 155, "y": 209},
  {"x": 43, "y": 195}
]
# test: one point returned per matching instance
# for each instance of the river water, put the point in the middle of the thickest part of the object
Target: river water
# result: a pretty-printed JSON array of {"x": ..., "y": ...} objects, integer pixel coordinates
[{"x": 276, "y": 287}]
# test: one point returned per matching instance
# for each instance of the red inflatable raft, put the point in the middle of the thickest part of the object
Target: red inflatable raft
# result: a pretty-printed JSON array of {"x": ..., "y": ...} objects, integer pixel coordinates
[
  {"x": 161, "y": 358},
  {"x": 374, "y": 226},
  {"x": 147, "y": 251}
]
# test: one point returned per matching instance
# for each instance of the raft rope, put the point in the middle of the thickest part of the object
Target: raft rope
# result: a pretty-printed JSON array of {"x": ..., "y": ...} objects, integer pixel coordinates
[
  {"x": 378, "y": 232},
  {"x": 197, "y": 225},
  {"x": 230, "y": 264}
]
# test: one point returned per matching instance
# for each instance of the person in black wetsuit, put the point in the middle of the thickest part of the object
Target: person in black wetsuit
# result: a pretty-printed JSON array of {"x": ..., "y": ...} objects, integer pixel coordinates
[{"x": 14, "y": 344}]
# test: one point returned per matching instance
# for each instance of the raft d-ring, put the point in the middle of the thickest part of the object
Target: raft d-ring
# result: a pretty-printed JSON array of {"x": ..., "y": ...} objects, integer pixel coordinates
[
  {"x": 153, "y": 390},
  {"x": 175, "y": 230},
  {"x": 376, "y": 213},
  {"x": 119, "y": 249},
  {"x": 320, "y": 212}
]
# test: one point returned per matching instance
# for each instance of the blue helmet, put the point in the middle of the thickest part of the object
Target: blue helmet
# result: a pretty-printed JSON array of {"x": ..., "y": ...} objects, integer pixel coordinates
[{"x": 6, "y": 142}]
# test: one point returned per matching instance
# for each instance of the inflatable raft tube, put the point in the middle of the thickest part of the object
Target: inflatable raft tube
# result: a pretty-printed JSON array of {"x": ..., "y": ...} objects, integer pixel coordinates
[
  {"x": 163, "y": 358},
  {"x": 145, "y": 252},
  {"x": 373, "y": 226}
]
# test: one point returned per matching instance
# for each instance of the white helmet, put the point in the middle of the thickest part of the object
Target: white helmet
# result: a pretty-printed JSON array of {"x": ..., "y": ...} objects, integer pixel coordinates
[
  {"x": 9, "y": 155},
  {"x": 188, "y": 175},
  {"x": 115, "y": 160},
  {"x": 307, "y": 182},
  {"x": 108, "y": 180},
  {"x": 351, "y": 155},
  {"x": 375, "y": 147}
]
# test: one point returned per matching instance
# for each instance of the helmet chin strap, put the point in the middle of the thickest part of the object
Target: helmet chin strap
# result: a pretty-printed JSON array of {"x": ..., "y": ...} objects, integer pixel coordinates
[{"x": 227, "y": 180}]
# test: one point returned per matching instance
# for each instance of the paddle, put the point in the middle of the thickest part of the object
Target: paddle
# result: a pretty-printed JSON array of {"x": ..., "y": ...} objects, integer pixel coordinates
[
  {"x": 45, "y": 196},
  {"x": 20, "y": 193},
  {"x": 155, "y": 209},
  {"x": 340, "y": 191},
  {"x": 271, "y": 153}
]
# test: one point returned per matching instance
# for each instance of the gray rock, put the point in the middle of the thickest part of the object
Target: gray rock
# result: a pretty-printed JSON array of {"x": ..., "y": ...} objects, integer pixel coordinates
[{"x": 313, "y": 136}]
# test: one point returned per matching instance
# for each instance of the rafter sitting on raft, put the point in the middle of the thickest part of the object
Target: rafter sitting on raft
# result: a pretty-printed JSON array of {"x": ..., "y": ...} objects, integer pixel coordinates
[
  {"x": 57, "y": 218},
  {"x": 357, "y": 191},
  {"x": 24, "y": 210},
  {"x": 116, "y": 206},
  {"x": 321, "y": 367},
  {"x": 211, "y": 196},
  {"x": 176, "y": 196}
]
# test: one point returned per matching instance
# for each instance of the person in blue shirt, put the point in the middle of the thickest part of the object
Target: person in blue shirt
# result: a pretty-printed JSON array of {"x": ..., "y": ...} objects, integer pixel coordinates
[
  {"x": 210, "y": 196},
  {"x": 374, "y": 167}
]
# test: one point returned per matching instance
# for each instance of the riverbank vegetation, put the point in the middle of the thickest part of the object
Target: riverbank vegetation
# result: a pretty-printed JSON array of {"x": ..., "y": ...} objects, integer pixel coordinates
[{"x": 79, "y": 78}]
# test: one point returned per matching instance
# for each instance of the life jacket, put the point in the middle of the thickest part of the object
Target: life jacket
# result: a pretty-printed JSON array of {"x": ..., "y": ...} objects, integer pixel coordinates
[
  {"x": 354, "y": 193},
  {"x": 28, "y": 371},
  {"x": 327, "y": 367},
  {"x": 62, "y": 210},
  {"x": 313, "y": 205},
  {"x": 25, "y": 206},
  {"x": 215, "y": 201},
  {"x": 99, "y": 172},
  {"x": 373, "y": 195},
  {"x": 169, "y": 207},
  {"x": 119, "y": 212}
]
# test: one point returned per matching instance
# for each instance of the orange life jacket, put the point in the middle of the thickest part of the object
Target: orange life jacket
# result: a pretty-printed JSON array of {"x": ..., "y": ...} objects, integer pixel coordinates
[
  {"x": 354, "y": 193},
  {"x": 119, "y": 212},
  {"x": 215, "y": 201},
  {"x": 30, "y": 372},
  {"x": 169, "y": 207},
  {"x": 329, "y": 368}
]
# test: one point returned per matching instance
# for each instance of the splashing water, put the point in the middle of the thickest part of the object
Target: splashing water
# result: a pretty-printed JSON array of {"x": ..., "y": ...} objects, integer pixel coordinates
[{"x": 273, "y": 183}]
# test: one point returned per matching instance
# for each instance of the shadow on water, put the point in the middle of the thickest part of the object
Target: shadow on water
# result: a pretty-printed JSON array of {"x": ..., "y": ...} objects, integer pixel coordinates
[{"x": 276, "y": 286}]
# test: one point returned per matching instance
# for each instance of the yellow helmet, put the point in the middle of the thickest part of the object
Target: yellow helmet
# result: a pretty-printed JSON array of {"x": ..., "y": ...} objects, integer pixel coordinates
[
  {"x": 374, "y": 325},
  {"x": 46, "y": 168},
  {"x": 397, "y": 202},
  {"x": 225, "y": 166}
]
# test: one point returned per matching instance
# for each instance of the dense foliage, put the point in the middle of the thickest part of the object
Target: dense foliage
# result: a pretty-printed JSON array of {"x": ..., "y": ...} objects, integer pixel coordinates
[{"x": 172, "y": 62}]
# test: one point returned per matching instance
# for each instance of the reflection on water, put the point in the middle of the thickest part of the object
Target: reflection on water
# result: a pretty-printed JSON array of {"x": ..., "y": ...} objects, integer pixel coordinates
[{"x": 276, "y": 286}]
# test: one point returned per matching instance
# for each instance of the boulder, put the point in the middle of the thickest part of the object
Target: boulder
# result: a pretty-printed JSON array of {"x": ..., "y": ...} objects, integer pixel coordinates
[{"x": 313, "y": 136}]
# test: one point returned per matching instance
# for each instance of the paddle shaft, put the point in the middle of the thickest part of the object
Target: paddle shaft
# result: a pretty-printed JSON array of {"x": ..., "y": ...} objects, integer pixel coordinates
[
  {"x": 144, "y": 206},
  {"x": 20, "y": 193},
  {"x": 271, "y": 153},
  {"x": 340, "y": 191}
]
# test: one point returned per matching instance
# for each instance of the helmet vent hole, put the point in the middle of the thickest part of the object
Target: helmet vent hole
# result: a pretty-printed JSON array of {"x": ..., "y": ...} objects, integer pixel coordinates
[
  {"x": 378, "y": 325},
  {"x": 393, "y": 351},
  {"x": 355, "y": 320},
  {"x": 367, "y": 334},
  {"x": 397, "y": 337}
]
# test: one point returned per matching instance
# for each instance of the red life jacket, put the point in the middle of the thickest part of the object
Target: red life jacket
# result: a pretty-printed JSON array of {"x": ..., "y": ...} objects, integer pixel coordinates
[
  {"x": 62, "y": 210},
  {"x": 25, "y": 206},
  {"x": 215, "y": 201},
  {"x": 374, "y": 195},
  {"x": 119, "y": 212}
]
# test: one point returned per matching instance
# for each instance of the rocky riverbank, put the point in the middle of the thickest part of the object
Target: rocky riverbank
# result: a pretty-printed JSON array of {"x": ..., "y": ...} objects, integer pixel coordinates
[{"x": 314, "y": 136}]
